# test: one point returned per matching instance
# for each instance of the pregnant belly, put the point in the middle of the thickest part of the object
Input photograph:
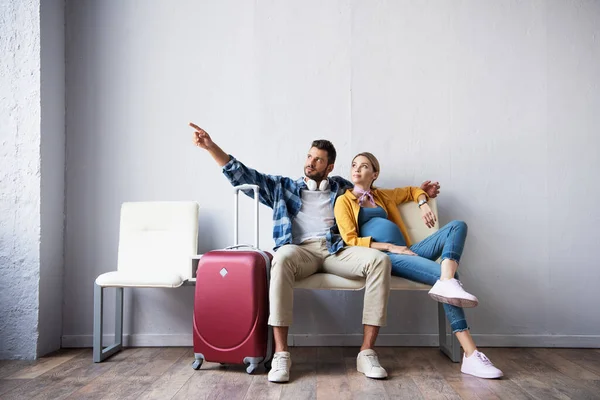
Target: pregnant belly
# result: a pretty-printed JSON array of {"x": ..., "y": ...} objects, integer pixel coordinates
[{"x": 383, "y": 230}]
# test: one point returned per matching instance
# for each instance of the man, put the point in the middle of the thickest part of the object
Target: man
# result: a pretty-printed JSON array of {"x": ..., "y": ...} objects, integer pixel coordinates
[{"x": 307, "y": 242}]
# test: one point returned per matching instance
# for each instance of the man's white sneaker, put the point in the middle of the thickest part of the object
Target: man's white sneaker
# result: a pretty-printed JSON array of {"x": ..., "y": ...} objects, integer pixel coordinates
[
  {"x": 451, "y": 292},
  {"x": 480, "y": 366},
  {"x": 368, "y": 363},
  {"x": 280, "y": 367}
]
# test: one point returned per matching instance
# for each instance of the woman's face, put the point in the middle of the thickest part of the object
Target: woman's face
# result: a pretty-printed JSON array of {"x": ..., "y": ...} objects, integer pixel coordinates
[{"x": 362, "y": 172}]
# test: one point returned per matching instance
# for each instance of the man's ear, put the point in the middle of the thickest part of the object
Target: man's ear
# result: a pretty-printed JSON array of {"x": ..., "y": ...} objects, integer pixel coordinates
[{"x": 329, "y": 169}]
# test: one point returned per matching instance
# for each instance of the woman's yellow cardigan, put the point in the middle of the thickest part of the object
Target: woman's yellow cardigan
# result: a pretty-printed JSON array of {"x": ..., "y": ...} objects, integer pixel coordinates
[{"x": 347, "y": 208}]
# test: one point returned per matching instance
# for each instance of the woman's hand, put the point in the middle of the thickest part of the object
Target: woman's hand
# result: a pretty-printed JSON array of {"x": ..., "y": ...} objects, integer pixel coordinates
[
  {"x": 401, "y": 250},
  {"x": 428, "y": 215}
]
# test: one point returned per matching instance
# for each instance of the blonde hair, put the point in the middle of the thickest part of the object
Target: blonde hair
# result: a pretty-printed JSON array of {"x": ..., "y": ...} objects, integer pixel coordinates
[{"x": 373, "y": 160}]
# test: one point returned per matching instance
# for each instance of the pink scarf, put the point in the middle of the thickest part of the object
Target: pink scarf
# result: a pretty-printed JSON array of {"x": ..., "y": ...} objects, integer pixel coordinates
[{"x": 364, "y": 195}]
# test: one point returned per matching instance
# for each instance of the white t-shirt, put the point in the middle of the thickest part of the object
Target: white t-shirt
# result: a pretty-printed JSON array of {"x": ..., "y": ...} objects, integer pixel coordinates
[{"x": 315, "y": 216}]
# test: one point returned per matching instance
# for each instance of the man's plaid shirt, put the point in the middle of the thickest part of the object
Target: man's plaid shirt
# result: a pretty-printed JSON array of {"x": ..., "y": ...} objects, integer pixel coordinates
[{"x": 282, "y": 194}]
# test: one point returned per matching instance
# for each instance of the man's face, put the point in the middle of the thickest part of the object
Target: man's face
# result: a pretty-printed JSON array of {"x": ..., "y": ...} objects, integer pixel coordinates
[{"x": 316, "y": 167}]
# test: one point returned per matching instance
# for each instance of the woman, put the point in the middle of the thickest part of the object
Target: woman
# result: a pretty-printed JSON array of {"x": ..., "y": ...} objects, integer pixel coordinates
[{"x": 368, "y": 216}]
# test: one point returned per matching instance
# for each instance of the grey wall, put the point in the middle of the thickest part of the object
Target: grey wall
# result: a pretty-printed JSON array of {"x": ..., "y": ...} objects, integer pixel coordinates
[
  {"x": 19, "y": 177},
  {"x": 497, "y": 100},
  {"x": 52, "y": 174}
]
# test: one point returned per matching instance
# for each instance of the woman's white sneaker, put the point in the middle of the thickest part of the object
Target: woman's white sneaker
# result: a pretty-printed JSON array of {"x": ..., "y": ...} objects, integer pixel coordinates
[
  {"x": 451, "y": 292},
  {"x": 480, "y": 366}
]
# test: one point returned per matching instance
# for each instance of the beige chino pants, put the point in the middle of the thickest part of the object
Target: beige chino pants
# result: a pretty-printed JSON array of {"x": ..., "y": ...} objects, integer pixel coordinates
[{"x": 295, "y": 262}]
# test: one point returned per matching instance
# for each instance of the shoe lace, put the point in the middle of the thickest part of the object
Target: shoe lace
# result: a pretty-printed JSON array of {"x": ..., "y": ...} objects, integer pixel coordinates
[
  {"x": 280, "y": 362},
  {"x": 374, "y": 360},
  {"x": 484, "y": 358}
]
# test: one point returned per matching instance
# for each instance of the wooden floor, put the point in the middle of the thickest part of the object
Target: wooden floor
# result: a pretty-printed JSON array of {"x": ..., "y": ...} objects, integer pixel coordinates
[{"x": 317, "y": 373}]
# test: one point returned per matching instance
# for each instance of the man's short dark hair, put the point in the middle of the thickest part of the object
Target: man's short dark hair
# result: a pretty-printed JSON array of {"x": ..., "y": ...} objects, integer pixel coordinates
[{"x": 328, "y": 147}]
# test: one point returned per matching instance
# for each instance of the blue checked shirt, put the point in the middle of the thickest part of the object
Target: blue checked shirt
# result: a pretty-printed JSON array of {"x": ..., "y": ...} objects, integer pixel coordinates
[{"x": 282, "y": 194}]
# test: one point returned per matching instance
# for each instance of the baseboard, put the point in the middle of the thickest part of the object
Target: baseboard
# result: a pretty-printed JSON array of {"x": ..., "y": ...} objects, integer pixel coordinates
[
  {"x": 576, "y": 341},
  {"x": 406, "y": 340},
  {"x": 136, "y": 340},
  {"x": 429, "y": 340}
]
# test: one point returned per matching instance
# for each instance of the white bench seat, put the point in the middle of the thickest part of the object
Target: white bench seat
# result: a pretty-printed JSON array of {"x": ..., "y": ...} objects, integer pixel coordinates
[
  {"x": 325, "y": 281},
  {"x": 156, "y": 240}
]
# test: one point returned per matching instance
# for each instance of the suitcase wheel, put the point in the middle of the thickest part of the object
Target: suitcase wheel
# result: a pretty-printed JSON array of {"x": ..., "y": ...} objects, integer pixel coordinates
[
  {"x": 197, "y": 363},
  {"x": 252, "y": 363},
  {"x": 251, "y": 368}
]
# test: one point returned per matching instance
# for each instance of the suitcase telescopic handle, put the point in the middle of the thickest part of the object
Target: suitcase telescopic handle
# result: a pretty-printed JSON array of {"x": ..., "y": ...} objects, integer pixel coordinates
[{"x": 236, "y": 191}]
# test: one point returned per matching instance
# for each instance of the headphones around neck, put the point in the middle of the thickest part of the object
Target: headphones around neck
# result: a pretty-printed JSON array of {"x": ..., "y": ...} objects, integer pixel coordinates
[{"x": 312, "y": 185}]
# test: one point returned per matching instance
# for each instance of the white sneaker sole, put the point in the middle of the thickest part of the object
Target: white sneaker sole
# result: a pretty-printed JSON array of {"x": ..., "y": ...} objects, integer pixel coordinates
[
  {"x": 455, "y": 301},
  {"x": 279, "y": 380},
  {"x": 372, "y": 376},
  {"x": 484, "y": 376}
]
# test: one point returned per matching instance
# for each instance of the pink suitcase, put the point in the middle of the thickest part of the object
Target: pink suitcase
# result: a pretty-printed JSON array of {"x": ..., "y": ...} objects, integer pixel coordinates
[{"x": 231, "y": 303}]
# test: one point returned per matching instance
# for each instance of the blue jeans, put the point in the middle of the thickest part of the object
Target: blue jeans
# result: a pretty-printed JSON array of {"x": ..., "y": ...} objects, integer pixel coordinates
[{"x": 448, "y": 243}]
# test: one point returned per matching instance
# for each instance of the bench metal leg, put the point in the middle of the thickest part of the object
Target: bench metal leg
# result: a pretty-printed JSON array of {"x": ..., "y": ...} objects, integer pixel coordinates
[
  {"x": 452, "y": 349},
  {"x": 100, "y": 354}
]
